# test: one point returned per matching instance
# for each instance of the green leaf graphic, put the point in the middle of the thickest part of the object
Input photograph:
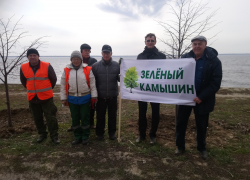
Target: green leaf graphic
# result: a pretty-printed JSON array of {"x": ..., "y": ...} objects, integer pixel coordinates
[{"x": 131, "y": 76}]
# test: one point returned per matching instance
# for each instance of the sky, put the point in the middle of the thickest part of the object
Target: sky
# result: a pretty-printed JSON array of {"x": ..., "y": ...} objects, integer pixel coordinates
[{"x": 122, "y": 24}]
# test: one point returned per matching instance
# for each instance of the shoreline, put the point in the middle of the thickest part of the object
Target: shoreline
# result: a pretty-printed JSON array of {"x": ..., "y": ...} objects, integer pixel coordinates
[
  {"x": 224, "y": 92},
  {"x": 239, "y": 88}
]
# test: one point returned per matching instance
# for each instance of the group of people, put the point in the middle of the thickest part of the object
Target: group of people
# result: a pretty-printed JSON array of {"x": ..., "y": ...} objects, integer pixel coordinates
[{"x": 88, "y": 85}]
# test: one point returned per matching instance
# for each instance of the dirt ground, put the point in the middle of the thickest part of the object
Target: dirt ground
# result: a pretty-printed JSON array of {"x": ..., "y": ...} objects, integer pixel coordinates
[
  {"x": 110, "y": 160},
  {"x": 22, "y": 122}
]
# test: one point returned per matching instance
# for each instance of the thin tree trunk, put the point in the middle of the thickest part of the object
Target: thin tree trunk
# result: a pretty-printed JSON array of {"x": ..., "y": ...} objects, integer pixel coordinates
[{"x": 8, "y": 101}]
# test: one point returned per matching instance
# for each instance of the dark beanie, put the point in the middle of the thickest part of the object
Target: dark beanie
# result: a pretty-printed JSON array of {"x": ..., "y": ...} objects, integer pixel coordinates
[
  {"x": 85, "y": 46},
  {"x": 32, "y": 51}
]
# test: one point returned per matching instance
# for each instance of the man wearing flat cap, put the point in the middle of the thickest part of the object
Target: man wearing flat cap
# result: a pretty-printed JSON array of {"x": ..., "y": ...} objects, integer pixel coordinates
[
  {"x": 106, "y": 74},
  {"x": 39, "y": 79},
  {"x": 85, "y": 50},
  {"x": 208, "y": 76}
]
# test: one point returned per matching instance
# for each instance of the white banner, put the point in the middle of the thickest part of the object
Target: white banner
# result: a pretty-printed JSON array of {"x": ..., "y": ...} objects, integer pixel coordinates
[{"x": 168, "y": 81}]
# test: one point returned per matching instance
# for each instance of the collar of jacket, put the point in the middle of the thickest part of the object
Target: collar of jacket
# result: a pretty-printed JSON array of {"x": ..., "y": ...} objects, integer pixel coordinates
[
  {"x": 210, "y": 53},
  {"x": 153, "y": 50},
  {"x": 37, "y": 66},
  {"x": 86, "y": 59},
  {"x": 103, "y": 62},
  {"x": 71, "y": 67}
]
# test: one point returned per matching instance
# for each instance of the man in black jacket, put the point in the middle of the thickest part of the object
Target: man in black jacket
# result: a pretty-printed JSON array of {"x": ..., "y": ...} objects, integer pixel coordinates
[
  {"x": 150, "y": 52},
  {"x": 208, "y": 76},
  {"x": 86, "y": 50},
  {"x": 107, "y": 76}
]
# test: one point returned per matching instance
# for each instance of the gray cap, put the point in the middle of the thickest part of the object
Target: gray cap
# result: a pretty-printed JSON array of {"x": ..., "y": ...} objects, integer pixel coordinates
[
  {"x": 200, "y": 38},
  {"x": 76, "y": 54}
]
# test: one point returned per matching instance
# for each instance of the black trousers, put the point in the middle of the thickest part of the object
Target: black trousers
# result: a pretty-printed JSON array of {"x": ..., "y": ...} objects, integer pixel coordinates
[
  {"x": 143, "y": 120},
  {"x": 101, "y": 107},
  {"x": 201, "y": 121}
]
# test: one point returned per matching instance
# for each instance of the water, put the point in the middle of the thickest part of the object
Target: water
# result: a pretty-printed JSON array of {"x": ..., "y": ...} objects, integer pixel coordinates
[{"x": 235, "y": 68}]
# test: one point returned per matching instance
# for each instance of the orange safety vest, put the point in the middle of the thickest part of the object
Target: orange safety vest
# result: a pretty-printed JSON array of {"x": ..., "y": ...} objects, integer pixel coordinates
[
  {"x": 86, "y": 71},
  {"x": 39, "y": 83}
]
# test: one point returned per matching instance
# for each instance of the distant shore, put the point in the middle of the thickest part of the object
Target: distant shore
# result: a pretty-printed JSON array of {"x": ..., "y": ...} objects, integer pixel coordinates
[{"x": 236, "y": 92}]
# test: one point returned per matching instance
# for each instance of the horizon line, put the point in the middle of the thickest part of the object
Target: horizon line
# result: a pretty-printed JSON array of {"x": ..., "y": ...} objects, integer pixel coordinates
[{"x": 131, "y": 55}]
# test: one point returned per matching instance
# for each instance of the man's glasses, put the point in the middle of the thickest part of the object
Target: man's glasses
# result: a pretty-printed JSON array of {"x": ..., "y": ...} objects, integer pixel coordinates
[{"x": 151, "y": 41}]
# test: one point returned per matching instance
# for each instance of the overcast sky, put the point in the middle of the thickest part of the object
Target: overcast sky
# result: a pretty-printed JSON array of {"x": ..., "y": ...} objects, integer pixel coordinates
[{"x": 119, "y": 23}]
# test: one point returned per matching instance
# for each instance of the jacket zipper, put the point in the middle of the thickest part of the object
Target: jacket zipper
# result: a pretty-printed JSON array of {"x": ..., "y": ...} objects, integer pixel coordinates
[
  {"x": 35, "y": 81},
  {"x": 76, "y": 84},
  {"x": 107, "y": 79}
]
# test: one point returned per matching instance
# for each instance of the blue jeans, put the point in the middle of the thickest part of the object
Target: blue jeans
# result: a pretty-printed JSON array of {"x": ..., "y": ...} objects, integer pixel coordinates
[{"x": 201, "y": 121}]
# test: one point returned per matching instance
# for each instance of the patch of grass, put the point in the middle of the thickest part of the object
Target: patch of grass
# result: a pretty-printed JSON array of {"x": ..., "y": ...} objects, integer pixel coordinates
[
  {"x": 16, "y": 102},
  {"x": 243, "y": 145},
  {"x": 232, "y": 111},
  {"x": 181, "y": 158},
  {"x": 223, "y": 156}
]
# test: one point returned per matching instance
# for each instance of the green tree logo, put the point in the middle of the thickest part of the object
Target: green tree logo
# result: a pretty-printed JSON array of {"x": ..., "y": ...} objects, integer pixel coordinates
[{"x": 131, "y": 76}]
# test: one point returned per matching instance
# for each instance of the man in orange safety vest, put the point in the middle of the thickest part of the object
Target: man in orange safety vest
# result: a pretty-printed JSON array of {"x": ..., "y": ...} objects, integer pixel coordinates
[{"x": 39, "y": 79}]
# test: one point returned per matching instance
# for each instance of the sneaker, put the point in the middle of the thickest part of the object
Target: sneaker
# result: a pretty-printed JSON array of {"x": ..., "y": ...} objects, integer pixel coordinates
[
  {"x": 85, "y": 141},
  {"x": 55, "y": 140},
  {"x": 204, "y": 155},
  {"x": 139, "y": 139},
  {"x": 179, "y": 151},
  {"x": 41, "y": 138}
]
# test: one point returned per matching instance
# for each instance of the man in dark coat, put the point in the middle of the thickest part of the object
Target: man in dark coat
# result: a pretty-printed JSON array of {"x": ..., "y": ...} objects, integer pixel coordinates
[
  {"x": 106, "y": 74},
  {"x": 208, "y": 76},
  {"x": 86, "y": 50},
  {"x": 150, "y": 52}
]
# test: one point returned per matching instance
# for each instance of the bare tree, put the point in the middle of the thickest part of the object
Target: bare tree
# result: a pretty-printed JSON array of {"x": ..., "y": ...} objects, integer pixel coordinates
[
  {"x": 10, "y": 37},
  {"x": 189, "y": 19}
]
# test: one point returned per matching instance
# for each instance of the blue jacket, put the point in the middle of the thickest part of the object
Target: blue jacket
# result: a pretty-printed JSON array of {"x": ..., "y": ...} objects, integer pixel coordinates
[{"x": 211, "y": 79}]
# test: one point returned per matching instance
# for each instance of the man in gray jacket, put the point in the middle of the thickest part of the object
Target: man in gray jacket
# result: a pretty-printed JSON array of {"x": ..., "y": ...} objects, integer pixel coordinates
[{"x": 106, "y": 73}]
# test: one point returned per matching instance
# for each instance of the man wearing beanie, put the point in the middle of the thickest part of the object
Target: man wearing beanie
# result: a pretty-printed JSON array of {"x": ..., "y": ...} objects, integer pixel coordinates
[
  {"x": 39, "y": 79},
  {"x": 150, "y": 52},
  {"x": 107, "y": 76},
  {"x": 85, "y": 51},
  {"x": 78, "y": 90}
]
